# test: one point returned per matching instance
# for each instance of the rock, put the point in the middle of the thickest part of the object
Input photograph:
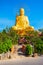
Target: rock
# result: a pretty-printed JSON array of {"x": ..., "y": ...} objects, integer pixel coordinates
[{"x": 35, "y": 55}]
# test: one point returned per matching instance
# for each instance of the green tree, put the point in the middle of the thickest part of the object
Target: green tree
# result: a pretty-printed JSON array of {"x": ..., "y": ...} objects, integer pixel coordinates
[{"x": 41, "y": 30}]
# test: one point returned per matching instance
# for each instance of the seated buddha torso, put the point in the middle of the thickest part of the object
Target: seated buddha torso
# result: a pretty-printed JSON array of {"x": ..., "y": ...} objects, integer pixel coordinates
[{"x": 22, "y": 21}]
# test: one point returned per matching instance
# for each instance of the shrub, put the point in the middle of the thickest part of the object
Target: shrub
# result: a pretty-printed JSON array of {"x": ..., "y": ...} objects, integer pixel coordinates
[
  {"x": 5, "y": 45},
  {"x": 29, "y": 50},
  {"x": 38, "y": 47}
]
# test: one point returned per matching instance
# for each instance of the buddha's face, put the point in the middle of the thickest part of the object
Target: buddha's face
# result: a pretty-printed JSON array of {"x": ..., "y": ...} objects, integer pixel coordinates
[{"x": 21, "y": 11}]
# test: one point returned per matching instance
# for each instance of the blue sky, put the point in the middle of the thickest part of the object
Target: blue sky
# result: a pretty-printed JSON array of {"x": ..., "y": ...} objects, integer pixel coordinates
[{"x": 9, "y": 9}]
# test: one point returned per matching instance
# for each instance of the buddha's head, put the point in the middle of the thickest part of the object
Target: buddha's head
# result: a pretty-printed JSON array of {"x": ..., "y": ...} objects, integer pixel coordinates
[{"x": 21, "y": 11}]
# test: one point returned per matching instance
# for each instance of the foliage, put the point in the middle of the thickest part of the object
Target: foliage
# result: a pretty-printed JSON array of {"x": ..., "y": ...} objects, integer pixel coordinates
[
  {"x": 5, "y": 45},
  {"x": 13, "y": 36},
  {"x": 32, "y": 33},
  {"x": 41, "y": 37},
  {"x": 31, "y": 36},
  {"x": 41, "y": 30},
  {"x": 29, "y": 50},
  {"x": 8, "y": 35},
  {"x": 38, "y": 47},
  {"x": 7, "y": 38}
]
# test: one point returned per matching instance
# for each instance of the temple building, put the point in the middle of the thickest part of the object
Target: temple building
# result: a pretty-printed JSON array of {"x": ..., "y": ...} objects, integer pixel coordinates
[{"x": 22, "y": 23}]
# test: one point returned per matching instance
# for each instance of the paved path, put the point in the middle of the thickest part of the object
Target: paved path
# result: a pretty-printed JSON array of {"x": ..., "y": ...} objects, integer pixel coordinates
[{"x": 23, "y": 61}]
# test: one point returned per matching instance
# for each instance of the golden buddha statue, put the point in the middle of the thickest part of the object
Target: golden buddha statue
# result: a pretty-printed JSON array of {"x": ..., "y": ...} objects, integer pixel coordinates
[{"x": 22, "y": 22}]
